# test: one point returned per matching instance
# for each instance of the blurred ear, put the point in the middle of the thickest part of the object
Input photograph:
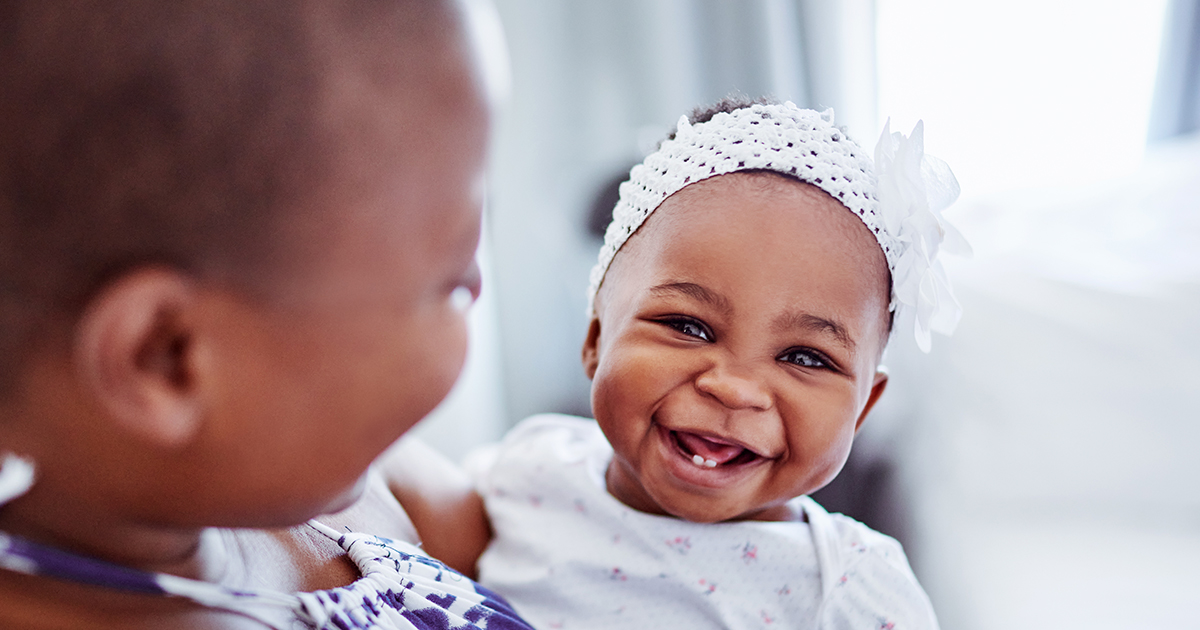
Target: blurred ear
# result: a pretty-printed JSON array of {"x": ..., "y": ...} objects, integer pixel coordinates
[
  {"x": 591, "y": 352},
  {"x": 880, "y": 384},
  {"x": 135, "y": 354}
]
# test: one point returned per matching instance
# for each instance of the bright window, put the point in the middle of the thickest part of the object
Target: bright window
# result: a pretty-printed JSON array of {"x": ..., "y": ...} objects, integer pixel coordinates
[{"x": 1022, "y": 93}]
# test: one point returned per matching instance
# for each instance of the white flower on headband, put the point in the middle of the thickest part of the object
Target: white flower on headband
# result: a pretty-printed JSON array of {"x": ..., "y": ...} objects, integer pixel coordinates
[{"x": 913, "y": 189}]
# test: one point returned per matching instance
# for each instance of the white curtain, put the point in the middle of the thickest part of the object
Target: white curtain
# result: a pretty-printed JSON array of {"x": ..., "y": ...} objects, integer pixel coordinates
[{"x": 1176, "y": 108}]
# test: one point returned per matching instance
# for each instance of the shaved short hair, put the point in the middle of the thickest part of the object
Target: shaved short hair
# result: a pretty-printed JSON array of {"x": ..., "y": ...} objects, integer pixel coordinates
[{"x": 180, "y": 133}]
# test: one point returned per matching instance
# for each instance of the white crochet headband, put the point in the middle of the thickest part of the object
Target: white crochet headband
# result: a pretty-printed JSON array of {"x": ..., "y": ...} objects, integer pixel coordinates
[{"x": 900, "y": 198}]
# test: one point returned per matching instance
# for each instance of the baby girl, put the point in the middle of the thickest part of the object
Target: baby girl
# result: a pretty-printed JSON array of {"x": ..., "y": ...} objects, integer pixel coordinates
[{"x": 743, "y": 298}]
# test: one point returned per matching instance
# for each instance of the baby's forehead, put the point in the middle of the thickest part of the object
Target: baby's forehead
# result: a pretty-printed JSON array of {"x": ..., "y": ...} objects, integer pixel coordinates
[{"x": 725, "y": 199}]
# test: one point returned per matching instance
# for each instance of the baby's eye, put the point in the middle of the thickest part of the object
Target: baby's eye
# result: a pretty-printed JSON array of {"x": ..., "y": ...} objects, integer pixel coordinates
[
  {"x": 804, "y": 358},
  {"x": 690, "y": 327}
]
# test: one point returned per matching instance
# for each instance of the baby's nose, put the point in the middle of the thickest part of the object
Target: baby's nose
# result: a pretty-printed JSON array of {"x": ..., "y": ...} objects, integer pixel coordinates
[{"x": 734, "y": 388}]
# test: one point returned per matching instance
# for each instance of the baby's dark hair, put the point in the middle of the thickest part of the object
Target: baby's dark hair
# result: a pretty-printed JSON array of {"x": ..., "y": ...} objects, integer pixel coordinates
[
  {"x": 181, "y": 133},
  {"x": 726, "y": 105}
]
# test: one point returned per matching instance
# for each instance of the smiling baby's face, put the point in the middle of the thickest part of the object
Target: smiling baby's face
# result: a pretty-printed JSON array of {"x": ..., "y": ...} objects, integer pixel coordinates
[{"x": 735, "y": 349}]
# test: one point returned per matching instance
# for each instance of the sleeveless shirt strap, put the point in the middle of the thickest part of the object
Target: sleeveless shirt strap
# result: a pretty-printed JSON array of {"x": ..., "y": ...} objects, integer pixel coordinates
[{"x": 328, "y": 531}]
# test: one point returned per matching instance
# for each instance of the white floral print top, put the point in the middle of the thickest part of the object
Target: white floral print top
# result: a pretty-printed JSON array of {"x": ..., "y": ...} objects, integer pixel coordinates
[{"x": 568, "y": 555}]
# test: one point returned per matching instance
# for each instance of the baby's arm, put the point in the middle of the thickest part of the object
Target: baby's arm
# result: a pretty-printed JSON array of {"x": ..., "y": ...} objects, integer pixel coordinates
[{"x": 440, "y": 500}]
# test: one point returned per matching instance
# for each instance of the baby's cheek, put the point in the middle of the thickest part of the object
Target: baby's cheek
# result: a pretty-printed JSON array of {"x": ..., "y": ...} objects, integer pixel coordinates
[
  {"x": 821, "y": 447},
  {"x": 421, "y": 364},
  {"x": 617, "y": 408},
  {"x": 839, "y": 450},
  {"x": 627, "y": 377},
  {"x": 443, "y": 354},
  {"x": 605, "y": 399}
]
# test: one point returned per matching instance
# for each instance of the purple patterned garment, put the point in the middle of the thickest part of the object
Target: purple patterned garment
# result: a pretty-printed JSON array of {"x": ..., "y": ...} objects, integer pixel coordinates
[{"x": 400, "y": 588}]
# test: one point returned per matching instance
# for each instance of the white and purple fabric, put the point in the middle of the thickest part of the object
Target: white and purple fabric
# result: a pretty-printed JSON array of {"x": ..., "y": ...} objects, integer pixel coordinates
[
  {"x": 568, "y": 555},
  {"x": 401, "y": 588}
]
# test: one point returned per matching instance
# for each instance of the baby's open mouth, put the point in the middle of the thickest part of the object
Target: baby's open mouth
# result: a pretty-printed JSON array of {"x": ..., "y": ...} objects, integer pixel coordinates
[{"x": 710, "y": 452}]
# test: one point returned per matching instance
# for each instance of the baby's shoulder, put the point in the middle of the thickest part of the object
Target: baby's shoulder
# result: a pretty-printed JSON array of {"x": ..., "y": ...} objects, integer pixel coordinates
[
  {"x": 538, "y": 449},
  {"x": 866, "y": 576},
  {"x": 553, "y": 428},
  {"x": 856, "y": 540},
  {"x": 547, "y": 437}
]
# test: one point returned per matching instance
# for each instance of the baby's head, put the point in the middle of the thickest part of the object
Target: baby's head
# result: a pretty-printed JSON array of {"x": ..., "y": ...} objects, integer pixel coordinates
[
  {"x": 235, "y": 239},
  {"x": 742, "y": 303}
]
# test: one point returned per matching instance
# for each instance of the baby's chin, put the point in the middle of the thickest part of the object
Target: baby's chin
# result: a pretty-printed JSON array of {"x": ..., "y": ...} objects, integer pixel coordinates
[
  {"x": 771, "y": 513},
  {"x": 702, "y": 511},
  {"x": 347, "y": 497}
]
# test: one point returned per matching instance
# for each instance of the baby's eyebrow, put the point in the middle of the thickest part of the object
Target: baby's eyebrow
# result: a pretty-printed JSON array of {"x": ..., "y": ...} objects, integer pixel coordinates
[
  {"x": 815, "y": 323},
  {"x": 696, "y": 292}
]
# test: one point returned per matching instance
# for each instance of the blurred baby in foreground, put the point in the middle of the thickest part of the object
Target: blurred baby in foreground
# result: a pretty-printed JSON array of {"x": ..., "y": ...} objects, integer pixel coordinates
[{"x": 236, "y": 241}]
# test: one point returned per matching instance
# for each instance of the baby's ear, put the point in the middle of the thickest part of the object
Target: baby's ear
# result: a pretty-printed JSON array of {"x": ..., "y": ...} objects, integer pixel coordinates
[
  {"x": 134, "y": 354},
  {"x": 877, "y": 387},
  {"x": 591, "y": 345}
]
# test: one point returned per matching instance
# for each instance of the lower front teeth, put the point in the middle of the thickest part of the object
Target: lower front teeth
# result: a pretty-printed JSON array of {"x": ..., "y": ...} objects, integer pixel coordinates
[{"x": 700, "y": 461}]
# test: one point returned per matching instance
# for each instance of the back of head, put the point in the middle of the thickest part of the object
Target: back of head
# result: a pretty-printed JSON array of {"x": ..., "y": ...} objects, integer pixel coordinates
[{"x": 183, "y": 133}]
